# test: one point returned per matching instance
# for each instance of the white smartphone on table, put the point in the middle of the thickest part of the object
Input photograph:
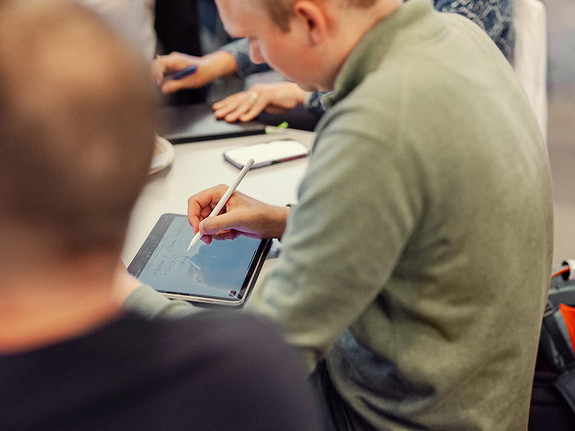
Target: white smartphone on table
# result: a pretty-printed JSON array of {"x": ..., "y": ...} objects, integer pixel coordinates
[{"x": 267, "y": 153}]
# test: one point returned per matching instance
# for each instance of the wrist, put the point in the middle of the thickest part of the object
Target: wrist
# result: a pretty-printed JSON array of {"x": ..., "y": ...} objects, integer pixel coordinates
[
  {"x": 221, "y": 64},
  {"x": 278, "y": 220},
  {"x": 306, "y": 99}
]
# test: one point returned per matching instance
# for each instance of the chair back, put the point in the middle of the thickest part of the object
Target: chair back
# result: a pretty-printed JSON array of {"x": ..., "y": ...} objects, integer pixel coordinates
[{"x": 530, "y": 55}]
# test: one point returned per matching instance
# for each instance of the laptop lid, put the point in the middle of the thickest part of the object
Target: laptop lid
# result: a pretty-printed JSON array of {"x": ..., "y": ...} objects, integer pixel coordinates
[{"x": 190, "y": 123}]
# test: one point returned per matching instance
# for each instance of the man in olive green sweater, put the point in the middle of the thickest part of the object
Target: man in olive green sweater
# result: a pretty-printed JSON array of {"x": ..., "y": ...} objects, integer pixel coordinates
[{"x": 414, "y": 270}]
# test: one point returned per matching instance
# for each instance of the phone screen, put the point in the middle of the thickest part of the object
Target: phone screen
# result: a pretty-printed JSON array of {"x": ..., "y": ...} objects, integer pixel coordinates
[{"x": 267, "y": 153}]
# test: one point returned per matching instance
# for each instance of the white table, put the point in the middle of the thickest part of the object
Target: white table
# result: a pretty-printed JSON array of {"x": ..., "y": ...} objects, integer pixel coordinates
[{"x": 199, "y": 165}]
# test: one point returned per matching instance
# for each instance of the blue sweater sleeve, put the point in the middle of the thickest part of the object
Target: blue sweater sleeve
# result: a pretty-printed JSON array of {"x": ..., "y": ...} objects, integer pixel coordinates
[{"x": 240, "y": 49}]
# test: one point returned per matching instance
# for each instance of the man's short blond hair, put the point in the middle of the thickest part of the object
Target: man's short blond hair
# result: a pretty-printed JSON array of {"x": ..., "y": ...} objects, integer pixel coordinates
[{"x": 280, "y": 11}]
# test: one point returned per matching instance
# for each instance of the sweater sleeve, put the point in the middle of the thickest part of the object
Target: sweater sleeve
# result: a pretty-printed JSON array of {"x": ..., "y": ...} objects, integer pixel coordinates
[
  {"x": 327, "y": 277},
  {"x": 149, "y": 303},
  {"x": 240, "y": 49}
]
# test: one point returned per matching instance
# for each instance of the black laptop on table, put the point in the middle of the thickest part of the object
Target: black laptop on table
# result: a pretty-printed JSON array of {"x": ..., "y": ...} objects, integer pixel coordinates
[{"x": 191, "y": 123}]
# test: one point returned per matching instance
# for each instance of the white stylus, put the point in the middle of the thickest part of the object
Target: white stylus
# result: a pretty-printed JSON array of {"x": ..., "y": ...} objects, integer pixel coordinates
[{"x": 232, "y": 188}]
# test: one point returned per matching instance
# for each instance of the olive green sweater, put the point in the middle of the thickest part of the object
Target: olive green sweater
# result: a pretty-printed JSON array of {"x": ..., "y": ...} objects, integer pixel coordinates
[{"x": 418, "y": 258}]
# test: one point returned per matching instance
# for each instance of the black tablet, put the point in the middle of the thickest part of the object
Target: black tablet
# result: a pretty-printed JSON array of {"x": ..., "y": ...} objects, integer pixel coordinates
[{"x": 220, "y": 273}]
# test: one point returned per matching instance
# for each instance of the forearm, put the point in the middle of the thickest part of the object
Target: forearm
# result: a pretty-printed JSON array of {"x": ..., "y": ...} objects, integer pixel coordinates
[
  {"x": 147, "y": 302},
  {"x": 221, "y": 64}
]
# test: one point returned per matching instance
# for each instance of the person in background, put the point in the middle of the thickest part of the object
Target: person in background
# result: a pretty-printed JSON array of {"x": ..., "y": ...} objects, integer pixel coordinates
[
  {"x": 494, "y": 17},
  {"x": 133, "y": 19},
  {"x": 178, "y": 26},
  {"x": 76, "y": 138},
  {"x": 414, "y": 268}
]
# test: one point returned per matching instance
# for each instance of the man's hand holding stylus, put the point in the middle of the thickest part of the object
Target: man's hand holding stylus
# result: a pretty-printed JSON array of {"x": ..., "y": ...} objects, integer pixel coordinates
[{"x": 242, "y": 215}]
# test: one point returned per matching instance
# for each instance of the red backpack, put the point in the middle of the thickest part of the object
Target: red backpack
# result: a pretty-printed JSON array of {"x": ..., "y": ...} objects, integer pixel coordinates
[{"x": 553, "y": 398}]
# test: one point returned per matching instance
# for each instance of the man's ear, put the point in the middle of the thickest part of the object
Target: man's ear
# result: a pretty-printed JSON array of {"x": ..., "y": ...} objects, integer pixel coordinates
[{"x": 313, "y": 17}]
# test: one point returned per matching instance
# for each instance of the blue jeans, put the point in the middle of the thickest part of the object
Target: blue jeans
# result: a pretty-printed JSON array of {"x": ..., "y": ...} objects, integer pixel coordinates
[{"x": 332, "y": 407}]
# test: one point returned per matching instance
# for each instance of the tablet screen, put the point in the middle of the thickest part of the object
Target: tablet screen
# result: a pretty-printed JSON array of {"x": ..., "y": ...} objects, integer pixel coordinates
[{"x": 221, "y": 272}]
